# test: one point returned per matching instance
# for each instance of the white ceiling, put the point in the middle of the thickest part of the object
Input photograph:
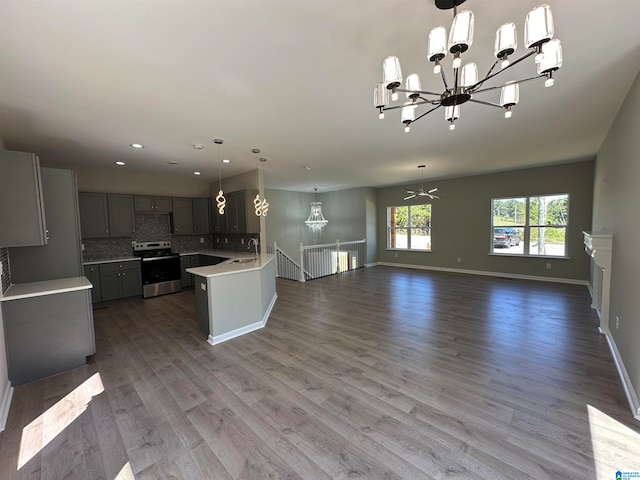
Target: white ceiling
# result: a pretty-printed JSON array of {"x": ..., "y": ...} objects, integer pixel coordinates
[{"x": 82, "y": 79}]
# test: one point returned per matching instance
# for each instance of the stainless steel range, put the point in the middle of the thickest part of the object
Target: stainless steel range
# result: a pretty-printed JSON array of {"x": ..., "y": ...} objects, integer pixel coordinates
[{"x": 160, "y": 268}]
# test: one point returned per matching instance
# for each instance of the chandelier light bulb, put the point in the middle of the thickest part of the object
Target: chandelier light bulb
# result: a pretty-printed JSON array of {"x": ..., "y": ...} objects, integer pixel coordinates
[
  {"x": 407, "y": 128},
  {"x": 508, "y": 113},
  {"x": 437, "y": 68},
  {"x": 505, "y": 63},
  {"x": 457, "y": 61},
  {"x": 549, "y": 82},
  {"x": 381, "y": 115},
  {"x": 452, "y": 126},
  {"x": 394, "y": 96}
]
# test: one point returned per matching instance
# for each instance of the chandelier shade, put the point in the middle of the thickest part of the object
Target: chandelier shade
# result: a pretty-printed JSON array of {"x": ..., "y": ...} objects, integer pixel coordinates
[{"x": 465, "y": 85}]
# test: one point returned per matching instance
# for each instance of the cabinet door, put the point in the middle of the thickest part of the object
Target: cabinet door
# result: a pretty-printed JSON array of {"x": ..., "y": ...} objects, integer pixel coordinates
[
  {"x": 231, "y": 212},
  {"x": 143, "y": 203},
  {"x": 241, "y": 212},
  {"x": 110, "y": 286},
  {"x": 218, "y": 222},
  {"x": 61, "y": 257},
  {"x": 163, "y": 204},
  {"x": 92, "y": 272},
  {"x": 94, "y": 215},
  {"x": 200, "y": 215},
  {"x": 121, "y": 215},
  {"x": 182, "y": 216},
  {"x": 131, "y": 279},
  {"x": 186, "y": 278},
  {"x": 22, "y": 216}
]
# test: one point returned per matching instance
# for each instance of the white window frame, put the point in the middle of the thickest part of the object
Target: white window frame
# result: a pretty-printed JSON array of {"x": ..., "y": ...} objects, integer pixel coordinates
[
  {"x": 528, "y": 226},
  {"x": 410, "y": 228}
]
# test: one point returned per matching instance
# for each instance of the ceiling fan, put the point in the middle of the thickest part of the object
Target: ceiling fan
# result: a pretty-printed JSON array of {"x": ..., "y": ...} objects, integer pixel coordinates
[{"x": 421, "y": 192}]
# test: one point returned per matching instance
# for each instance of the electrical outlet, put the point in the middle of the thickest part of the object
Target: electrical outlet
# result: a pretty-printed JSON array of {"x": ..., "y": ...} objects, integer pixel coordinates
[
  {"x": 459, "y": 259},
  {"x": 548, "y": 266},
  {"x": 242, "y": 241},
  {"x": 617, "y": 322},
  {"x": 201, "y": 239}
]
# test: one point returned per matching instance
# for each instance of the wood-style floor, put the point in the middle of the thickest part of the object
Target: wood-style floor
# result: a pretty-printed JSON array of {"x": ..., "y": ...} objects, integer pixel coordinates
[{"x": 376, "y": 373}]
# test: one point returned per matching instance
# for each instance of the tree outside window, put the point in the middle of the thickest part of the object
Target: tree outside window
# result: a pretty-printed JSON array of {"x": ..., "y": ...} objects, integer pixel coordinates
[{"x": 409, "y": 227}]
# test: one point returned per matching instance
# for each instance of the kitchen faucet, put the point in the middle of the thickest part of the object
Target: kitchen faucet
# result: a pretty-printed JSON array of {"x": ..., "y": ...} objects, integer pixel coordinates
[{"x": 255, "y": 243}]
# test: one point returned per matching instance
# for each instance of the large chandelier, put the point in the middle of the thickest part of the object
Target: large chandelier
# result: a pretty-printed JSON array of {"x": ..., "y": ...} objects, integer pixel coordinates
[
  {"x": 316, "y": 220},
  {"x": 464, "y": 86}
]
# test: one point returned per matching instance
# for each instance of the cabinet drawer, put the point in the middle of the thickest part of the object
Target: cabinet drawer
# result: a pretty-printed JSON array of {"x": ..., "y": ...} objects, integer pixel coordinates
[{"x": 119, "y": 266}]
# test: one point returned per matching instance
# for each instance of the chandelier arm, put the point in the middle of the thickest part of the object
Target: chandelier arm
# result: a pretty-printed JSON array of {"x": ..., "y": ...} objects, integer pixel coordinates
[
  {"x": 477, "y": 84},
  {"x": 422, "y": 92},
  {"x": 542, "y": 75},
  {"x": 444, "y": 79},
  {"x": 423, "y": 101},
  {"x": 486, "y": 77},
  {"x": 426, "y": 113},
  {"x": 486, "y": 103}
]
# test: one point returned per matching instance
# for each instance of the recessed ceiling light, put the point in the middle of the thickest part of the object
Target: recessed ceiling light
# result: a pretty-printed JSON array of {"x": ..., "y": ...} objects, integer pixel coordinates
[
  {"x": 198, "y": 146},
  {"x": 196, "y": 173},
  {"x": 120, "y": 163},
  {"x": 136, "y": 145},
  {"x": 172, "y": 162},
  {"x": 263, "y": 159},
  {"x": 226, "y": 160}
]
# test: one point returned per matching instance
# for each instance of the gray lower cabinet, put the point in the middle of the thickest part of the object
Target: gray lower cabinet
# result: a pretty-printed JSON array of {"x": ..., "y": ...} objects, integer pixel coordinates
[
  {"x": 92, "y": 272},
  {"x": 61, "y": 257},
  {"x": 22, "y": 216},
  {"x": 47, "y": 334},
  {"x": 120, "y": 280},
  {"x": 187, "y": 261}
]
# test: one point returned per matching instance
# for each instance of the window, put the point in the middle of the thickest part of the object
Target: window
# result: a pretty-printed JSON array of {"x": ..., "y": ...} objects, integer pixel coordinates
[
  {"x": 530, "y": 225},
  {"x": 409, "y": 227}
]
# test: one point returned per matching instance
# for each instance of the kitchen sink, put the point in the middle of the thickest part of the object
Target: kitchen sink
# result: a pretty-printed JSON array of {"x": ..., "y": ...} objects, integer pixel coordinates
[{"x": 243, "y": 260}]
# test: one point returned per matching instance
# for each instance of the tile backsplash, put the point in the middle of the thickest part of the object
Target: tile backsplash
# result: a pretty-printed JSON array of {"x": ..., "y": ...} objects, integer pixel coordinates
[
  {"x": 155, "y": 227},
  {"x": 6, "y": 275}
]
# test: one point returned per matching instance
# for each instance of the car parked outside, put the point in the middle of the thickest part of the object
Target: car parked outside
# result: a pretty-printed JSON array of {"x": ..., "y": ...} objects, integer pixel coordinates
[{"x": 505, "y": 237}]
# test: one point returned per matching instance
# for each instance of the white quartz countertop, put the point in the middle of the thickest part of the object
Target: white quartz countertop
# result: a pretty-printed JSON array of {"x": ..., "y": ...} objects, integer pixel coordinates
[
  {"x": 112, "y": 260},
  {"x": 232, "y": 266},
  {"x": 221, "y": 253},
  {"x": 47, "y": 287}
]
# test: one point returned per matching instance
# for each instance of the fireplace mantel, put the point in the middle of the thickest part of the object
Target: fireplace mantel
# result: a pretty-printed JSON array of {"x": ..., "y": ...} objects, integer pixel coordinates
[{"x": 598, "y": 246}]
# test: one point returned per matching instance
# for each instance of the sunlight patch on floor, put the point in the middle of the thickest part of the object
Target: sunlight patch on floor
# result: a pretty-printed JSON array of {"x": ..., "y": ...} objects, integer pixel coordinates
[
  {"x": 47, "y": 426},
  {"x": 616, "y": 447},
  {"x": 126, "y": 473}
]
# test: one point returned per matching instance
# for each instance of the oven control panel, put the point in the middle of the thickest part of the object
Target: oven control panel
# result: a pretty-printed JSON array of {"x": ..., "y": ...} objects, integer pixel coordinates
[{"x": 145, "y": 246}]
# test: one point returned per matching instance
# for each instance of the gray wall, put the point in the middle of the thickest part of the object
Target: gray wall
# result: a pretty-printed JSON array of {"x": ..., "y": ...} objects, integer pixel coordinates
[
  {"x": 461, "y": 221},
  {"x": 616, "y": 201},
  {"x": 351, "y": 214}
]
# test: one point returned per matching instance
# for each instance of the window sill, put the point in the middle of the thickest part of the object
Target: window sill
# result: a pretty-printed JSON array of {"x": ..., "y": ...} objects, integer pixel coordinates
[
  {"x": 519, "y": 255},
  {"x": 407, "y": 250}
]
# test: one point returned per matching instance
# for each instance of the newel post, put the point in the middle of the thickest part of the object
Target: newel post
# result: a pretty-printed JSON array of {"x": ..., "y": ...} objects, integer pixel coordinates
[{"x": 302, "y": 262}]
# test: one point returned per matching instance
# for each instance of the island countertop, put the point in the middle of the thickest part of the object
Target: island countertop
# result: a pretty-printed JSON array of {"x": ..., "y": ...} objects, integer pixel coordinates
[{"x": 237, "y": 263}]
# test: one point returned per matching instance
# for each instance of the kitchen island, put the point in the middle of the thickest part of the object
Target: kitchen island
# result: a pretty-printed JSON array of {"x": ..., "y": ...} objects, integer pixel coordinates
[{"x": 234, "y": 297}]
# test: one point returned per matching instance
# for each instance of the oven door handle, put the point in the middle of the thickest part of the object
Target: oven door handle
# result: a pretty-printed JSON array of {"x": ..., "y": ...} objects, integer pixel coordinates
[{"x": 166, "y": 257}]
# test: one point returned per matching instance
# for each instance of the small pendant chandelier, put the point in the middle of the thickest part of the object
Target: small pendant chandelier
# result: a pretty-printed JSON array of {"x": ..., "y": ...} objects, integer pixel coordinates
[
  {"x": 316, "y": 220},
  {"x": 221, "y": 202},
  {"x": 260, "y": 206}
]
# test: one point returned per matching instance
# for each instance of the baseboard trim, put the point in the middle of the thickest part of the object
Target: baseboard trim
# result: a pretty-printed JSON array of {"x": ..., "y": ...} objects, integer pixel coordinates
[
  {"x": 486, "y": 274},
  {"x": 215, "y": 340},
  {"x": 629, "y": 391},
  {"x": 5, "y": 403}
]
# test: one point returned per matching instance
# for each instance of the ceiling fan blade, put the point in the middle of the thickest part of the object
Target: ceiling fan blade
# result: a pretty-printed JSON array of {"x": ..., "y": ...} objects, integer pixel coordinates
[{"x": 433, "y": 190}]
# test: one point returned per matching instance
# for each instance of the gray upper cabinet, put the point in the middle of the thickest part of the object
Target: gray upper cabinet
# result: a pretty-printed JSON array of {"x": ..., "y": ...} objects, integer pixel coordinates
[
  {"x": 200, "y": 215},
  {"x": 238, "y": 217},
  {"x": 94, "y": 215},
  {"x": 23, "y": 215},
  {"x": 122, "y": 221},
  {"x": 61, "y": 257},
  {"x": 106, "y": 215},
  {"x": 182, "y": 216},
  {"x": 152, "y": 204},
  {"x": 218, "y": 223}
]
